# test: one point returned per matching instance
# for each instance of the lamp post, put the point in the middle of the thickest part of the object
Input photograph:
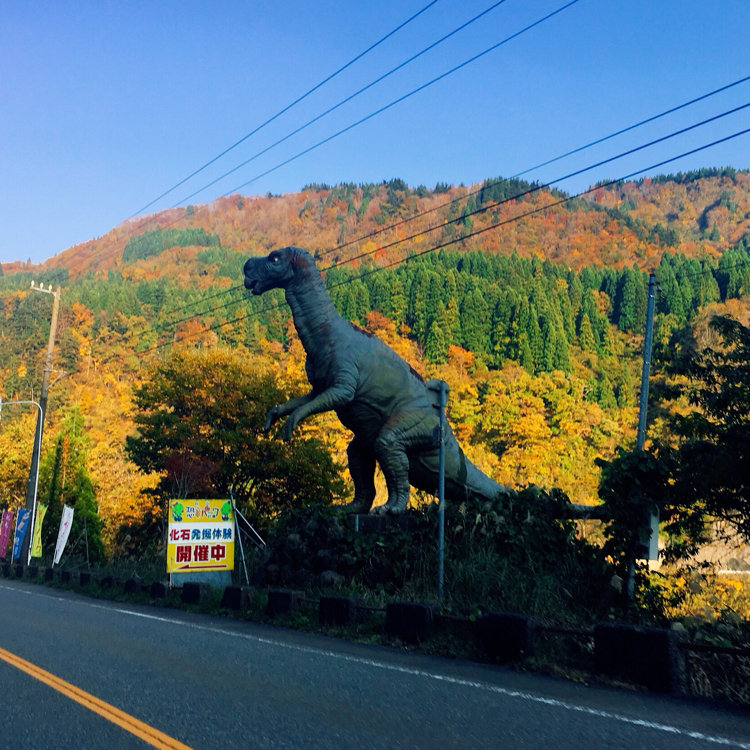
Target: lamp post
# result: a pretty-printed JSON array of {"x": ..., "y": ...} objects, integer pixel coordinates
[{"x": 34, "y": 466}]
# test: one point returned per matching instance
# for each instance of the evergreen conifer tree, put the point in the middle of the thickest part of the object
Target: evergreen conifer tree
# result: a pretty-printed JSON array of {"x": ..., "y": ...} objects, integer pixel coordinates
[{"x": 436, "y": 345}]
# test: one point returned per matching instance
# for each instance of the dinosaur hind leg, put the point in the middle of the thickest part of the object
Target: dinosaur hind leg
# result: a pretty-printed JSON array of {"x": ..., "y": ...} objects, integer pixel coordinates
[
  {"x": 362, "y": 470},
  {"x": 410, "y": 432}
]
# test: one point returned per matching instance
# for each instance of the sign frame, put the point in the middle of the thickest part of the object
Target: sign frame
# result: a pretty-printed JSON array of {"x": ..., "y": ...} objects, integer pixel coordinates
[{"x": 200, "y": 536}]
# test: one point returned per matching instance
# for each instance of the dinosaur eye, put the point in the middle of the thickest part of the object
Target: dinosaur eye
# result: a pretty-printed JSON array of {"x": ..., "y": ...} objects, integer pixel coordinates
[{"x": 274, "y": 258}]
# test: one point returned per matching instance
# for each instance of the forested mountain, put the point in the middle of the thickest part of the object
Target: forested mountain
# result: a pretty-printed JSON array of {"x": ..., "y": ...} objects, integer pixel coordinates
[{"x": 533, "y": 315}]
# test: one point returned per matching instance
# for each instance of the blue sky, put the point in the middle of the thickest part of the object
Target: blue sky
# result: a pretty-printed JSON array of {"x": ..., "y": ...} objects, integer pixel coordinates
[{"x": 105, "y": 105}]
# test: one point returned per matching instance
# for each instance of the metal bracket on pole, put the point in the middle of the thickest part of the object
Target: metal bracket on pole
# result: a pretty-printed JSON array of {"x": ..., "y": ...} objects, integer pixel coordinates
[{"x": 60, "y": 375}]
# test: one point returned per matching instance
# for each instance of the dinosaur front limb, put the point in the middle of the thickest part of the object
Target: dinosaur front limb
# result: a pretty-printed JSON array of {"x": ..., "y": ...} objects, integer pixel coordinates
[
  {"x": 335, "y": 397},
  {"x": 281, "y": 410}
]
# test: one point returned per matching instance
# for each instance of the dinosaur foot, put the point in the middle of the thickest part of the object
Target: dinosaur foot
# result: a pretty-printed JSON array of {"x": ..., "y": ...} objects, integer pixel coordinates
[
  {"x": 391, "y": 509},
  {"x": 360, "y": 507}
]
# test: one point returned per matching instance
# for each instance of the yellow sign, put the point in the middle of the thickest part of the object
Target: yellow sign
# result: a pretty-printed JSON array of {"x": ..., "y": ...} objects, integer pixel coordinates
[{"x": 200, "y": 536}]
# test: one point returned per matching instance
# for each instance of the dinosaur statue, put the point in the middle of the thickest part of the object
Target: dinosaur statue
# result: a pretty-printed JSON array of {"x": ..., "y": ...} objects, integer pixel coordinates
[{"x": 393, "y": 413}]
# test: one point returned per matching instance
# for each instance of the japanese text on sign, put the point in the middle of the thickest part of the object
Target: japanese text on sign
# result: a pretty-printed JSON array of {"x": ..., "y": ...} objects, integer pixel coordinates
[{"x": 200, "y": 536}]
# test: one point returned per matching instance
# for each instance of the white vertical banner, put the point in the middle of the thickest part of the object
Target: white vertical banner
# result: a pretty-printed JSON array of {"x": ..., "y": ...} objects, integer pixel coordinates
[{"x": 62, "y": 535}]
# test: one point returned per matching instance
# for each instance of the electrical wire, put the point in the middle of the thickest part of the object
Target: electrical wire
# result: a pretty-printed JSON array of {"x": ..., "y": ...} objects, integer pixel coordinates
[
  {"x": 393, "y": 103},
  {"x": 286, "y": 109},
  {"x": 492, "y": 183},
  {"x": 483, "y": 230},
  {"x": 576, "y": 173},
  {"x": 342, "y": 102},
  {"x": 483, "y": 209},
  {"x": 434, "y": 44},
  {"x": 489, "y": 184}
]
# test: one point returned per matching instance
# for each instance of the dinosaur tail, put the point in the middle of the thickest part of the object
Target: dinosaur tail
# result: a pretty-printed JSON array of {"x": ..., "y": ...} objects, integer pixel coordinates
[{"x": 472, "y": 482}]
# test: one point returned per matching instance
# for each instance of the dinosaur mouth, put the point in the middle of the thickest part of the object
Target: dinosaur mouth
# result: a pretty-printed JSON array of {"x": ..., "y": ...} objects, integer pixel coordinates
[{"x": 252, "y": 285}]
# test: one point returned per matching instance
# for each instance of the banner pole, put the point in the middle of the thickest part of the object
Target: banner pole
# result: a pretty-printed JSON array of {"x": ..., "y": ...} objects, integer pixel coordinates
[
  {"x": 86, "y": 536},
  {"x": 13, "y": 541},
  {"x": 239, "y": 536}
]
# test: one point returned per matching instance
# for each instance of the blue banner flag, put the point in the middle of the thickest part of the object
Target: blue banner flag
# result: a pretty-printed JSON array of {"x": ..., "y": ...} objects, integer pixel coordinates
[{"x": 22, "y": 521}]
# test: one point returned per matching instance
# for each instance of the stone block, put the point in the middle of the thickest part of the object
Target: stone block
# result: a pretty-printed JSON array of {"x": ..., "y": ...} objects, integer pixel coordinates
[
  {"x": 644, "y": 656},
  {"x": 192, "y": 591},
  {"x": 158, "y": 590},
  {"x": 235, "y": 597},
  {"x": 411, "y": 622},
  {"x": 282, "y": 600},
  {"x": 336, "y": 610},
  {"x": 504, "y": 636}
]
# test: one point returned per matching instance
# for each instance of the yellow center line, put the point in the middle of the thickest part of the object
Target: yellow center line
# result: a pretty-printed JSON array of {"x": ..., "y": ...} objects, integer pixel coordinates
[{"x": 129, "y": 723}]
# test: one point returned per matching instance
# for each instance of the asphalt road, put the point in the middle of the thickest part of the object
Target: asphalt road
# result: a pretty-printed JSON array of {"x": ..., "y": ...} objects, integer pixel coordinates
[{"x": 219, "y": 683}]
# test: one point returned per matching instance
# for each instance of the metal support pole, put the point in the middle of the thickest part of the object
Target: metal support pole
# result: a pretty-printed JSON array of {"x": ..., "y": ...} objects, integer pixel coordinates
[
  {"x": 86, "y": 535},
  {"x": 12, "y": 541},
  {"x": 441, "y": 494},
  {"x": 646, "y": 368},
  {"x": 239, "y": 536}
]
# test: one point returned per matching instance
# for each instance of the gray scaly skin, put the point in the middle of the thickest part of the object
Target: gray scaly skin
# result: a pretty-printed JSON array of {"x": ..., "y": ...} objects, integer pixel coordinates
[{"x": 391, "y": 410}]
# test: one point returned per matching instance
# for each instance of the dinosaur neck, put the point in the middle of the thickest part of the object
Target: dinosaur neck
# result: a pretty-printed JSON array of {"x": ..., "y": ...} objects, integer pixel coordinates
[{"x": 313, "y": 312}]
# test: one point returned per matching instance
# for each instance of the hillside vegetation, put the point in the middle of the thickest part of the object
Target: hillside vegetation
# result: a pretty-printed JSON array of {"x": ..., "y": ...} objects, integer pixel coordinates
[{"x": 535, "y": 322}]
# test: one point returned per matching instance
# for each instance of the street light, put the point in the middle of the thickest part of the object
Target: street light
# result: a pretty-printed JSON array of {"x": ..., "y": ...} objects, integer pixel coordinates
[{"x": 36, "y": 451}]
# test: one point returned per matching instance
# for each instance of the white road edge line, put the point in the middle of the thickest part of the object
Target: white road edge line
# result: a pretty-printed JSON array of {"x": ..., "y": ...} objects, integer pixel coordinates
[{"x": 518, "y": 694}]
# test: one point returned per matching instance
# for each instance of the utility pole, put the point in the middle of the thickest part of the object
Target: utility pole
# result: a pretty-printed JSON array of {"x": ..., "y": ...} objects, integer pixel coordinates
[
  {"x": 653, "y": 543},
  {"x": 652, "y": 550},
  {"x": 34, "y": 470}
]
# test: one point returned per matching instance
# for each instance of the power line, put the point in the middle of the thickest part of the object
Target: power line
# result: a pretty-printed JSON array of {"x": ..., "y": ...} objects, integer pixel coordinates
[
  {"x": 554, "y": 204},
  {"x": 400, "y": 99},
  {"x": 537, "y": 188},
  {"x": 456, "y": 68},
  {"x": 483, "y": 230},
  {"x": 636, "y": 125},
  {"x": 343, "y": 101},
  {"x": 496, "y": 204},
  {"x": 287, "y": 108},
  {"x": 489, "y": 184},
  {"x": 143, "y": 328},
  {"x": 205, "y": 312},
  {"x": 483, "y": 209}
]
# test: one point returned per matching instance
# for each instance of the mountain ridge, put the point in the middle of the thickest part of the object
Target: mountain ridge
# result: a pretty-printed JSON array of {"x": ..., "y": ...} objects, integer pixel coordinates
[{"x": 697, "y": 213}]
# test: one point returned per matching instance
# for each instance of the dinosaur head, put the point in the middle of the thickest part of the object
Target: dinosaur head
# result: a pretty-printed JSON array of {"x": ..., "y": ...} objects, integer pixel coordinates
[{"x": 277, "y": 270}]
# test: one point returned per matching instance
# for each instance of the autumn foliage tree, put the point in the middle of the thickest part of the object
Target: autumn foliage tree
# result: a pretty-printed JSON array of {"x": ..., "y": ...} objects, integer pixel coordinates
[{"x": 200, "y": 425}]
